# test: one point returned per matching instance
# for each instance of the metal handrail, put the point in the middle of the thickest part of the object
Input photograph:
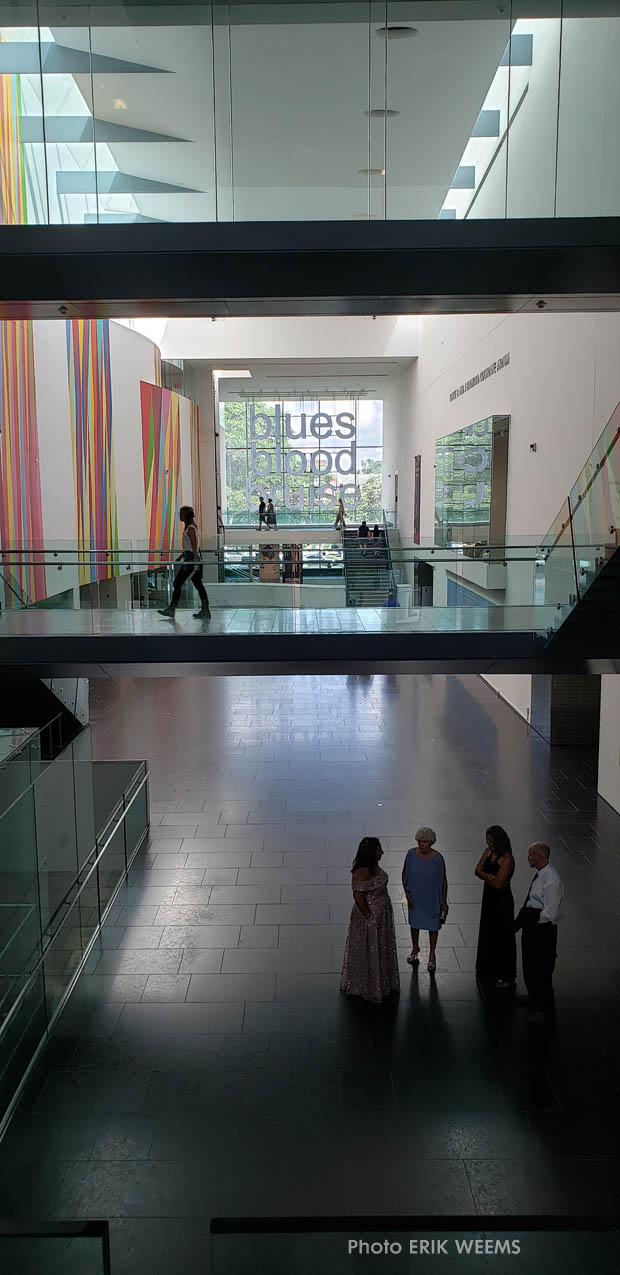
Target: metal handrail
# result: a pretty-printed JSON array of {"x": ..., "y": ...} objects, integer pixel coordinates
[{"x": 17, "y": 1002}]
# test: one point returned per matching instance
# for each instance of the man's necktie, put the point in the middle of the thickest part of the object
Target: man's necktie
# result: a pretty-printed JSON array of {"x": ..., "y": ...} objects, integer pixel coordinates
[{"x": 534, "y": 878}]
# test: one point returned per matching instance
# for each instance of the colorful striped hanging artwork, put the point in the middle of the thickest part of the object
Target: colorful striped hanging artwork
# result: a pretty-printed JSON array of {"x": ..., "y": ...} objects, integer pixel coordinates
[
  {"x": 13, "y": 202},
  {"x": 161, "y": 450},
  {"x": 21, "y": 519},
  {"x": 90, "y": 397},
  {"x": 194, "y": 437}
]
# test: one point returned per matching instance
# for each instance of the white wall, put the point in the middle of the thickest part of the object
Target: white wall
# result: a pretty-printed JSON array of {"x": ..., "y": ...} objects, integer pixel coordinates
[
  {"x": 559, "y": 390},
  {"x": 515, "y": 689},
  {"x": 289, "y": 338},
  {"x": 203, "y": 380},
  {"x": 609, "y": 741}
]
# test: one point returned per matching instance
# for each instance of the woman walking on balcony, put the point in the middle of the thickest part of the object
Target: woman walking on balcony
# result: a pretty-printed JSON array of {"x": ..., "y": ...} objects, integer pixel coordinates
[{"x": 191, "y": 568}]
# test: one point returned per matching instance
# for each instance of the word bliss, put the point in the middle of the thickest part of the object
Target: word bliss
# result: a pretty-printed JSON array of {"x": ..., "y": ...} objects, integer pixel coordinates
[{"x": 275, "y": 460}]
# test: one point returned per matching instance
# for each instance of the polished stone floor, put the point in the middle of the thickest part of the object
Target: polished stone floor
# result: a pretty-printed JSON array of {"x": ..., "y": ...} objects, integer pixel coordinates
[
  {"x": 264, "y": 620},
  {"x": 207, "y": 1064}
]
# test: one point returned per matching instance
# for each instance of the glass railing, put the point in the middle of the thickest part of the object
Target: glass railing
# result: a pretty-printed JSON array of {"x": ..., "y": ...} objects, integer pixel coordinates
[
  {"x": 55, "y": 1248},
  {"x": 206, "y": 113},
  {"x": 24, "y": 753},
  {"x": 244, "y": 518},
  {"x": 65, "y": 845},
  {"x": 515, "y": 586},
  {"x": 586, "y": 531}
]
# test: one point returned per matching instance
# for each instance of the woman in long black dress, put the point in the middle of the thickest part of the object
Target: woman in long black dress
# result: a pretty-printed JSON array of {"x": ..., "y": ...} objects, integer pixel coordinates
[{"x": 496, "y": 958}]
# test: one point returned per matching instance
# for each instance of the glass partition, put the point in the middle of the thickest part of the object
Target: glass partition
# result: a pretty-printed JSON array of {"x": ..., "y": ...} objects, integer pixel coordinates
[
  {"x": 60, "y": 867},
  {"x": 341, "y": 111},
  {"x": 595, "y": 505}
]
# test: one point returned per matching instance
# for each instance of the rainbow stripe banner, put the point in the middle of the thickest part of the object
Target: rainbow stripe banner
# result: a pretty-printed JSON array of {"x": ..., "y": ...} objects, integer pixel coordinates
[
  {"x": 161, "y": 450},
  {"x": 90, "y": 395},
  {"x": 13, "y": 204},
  {"x": 194, "y": 438},
  {"x": 21, "y": 519}
]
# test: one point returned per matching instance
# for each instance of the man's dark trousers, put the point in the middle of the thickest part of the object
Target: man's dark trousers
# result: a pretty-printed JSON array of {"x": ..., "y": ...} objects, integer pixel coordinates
[{"x": 539, "y": 952}]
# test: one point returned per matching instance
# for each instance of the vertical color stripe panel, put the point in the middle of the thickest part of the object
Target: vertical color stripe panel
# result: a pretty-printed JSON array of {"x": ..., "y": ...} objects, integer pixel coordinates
[
  {"x": 194, "y": 434},
  {"x": 90, "y": 398},
  {"x": 21, "y": 520},
  {"x": 161, "y": 451}
]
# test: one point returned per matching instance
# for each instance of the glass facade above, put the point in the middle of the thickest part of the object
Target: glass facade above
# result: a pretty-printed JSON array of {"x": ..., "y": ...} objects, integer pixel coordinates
[{"x": 308, "y": 112}]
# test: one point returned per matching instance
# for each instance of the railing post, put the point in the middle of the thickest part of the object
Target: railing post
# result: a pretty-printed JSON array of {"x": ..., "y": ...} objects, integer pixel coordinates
[
  {"x": 125, "y": 831},
  {"x": 572, "y": 540}
]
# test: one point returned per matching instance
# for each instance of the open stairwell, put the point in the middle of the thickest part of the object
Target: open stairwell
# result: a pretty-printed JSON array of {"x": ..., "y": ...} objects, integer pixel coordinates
[
  {"x": 596, "y": 613},
  {"x": 367, "y": 568}
]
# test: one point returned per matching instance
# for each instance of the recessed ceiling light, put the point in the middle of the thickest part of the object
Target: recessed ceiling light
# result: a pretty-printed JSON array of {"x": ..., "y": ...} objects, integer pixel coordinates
[
  {"x": 379, "y": 112},
  {"x": 372, "y": 172},
  {"x": 231, "y": 373},
  {"x": 396, "y": 32},
  {"x": 119, "y": 104}
]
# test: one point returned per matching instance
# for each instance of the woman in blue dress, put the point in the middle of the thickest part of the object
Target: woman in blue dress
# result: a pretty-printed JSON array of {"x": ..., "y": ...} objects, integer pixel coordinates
[{"x": 426, "y": 888}]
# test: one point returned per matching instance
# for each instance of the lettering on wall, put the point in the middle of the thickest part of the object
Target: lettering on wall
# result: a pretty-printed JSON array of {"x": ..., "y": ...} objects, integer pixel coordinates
[
  {"x": 484, "y": 375},
  {"x": 330, "y": 461}
]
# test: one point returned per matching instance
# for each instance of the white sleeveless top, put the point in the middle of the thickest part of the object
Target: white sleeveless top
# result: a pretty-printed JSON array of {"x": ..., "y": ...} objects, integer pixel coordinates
[{"x": 188, "y": 547}]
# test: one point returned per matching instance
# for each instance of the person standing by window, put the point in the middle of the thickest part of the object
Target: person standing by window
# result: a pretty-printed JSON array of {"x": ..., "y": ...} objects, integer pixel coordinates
[
  {"x": 271, "y": 514},
  {"x": 191, "y": 569},
  {"x": 261, "y": 512}
]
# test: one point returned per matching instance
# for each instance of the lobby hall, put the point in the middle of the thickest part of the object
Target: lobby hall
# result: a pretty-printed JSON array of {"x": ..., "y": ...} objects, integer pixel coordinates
[{"x": 206, "y": 1063}]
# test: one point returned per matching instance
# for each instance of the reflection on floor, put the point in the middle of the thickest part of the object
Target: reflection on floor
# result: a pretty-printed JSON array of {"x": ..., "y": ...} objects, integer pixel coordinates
[
  {"x": 143, "y": 623},
  {"x": 207, "y": 1063}
]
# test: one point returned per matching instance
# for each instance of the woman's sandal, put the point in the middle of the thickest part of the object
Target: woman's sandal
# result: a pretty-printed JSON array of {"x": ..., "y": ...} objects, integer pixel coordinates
[
  {"x": 414, "y": 959},
  {"x": 431, "y": 967}
]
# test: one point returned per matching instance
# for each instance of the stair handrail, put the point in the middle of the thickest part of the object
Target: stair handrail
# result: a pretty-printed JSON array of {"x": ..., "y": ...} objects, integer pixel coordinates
[{"x": 393, "y": 585}]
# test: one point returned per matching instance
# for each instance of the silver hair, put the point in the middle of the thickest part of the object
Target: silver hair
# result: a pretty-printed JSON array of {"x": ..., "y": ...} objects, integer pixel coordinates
[{"x": 426, "y": 834}]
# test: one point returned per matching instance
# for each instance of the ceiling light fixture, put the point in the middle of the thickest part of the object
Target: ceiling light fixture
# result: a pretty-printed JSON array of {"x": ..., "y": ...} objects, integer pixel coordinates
[
  {"x": 379, "y": 112},
  {"x": 119, "y": 104},
  {"x": 371, "y": 172},
  {"x": 231, "y": 373},
  {"x": 396, "y": 32}
]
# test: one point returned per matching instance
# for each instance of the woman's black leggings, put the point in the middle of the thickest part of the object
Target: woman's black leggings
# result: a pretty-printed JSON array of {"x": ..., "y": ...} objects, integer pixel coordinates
[{"x": 193, "y": 571}]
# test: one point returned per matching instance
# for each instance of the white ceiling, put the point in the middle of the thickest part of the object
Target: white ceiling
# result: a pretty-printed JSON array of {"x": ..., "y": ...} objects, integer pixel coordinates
[
  {"x": 299, "y": 129},
  {"x": 291, "y": 378}
]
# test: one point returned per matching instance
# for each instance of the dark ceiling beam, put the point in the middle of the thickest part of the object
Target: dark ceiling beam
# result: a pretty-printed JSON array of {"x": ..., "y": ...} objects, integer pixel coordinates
[{"x": 253, "y": 268}]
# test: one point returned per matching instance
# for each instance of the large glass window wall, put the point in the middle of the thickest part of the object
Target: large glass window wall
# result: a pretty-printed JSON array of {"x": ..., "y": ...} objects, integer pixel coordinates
[
  {"x": 303, "y": 454},
  {"x": 339, "y": 110}
]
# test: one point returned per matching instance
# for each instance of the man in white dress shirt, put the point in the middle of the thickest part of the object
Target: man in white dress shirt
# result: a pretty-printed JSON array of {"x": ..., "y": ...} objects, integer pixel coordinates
[{"x": 538, "y": 922}]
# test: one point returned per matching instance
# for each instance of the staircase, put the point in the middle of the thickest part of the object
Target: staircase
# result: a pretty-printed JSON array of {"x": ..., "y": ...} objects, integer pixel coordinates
[
  {"x": 582, "y": 548},
  {"x": 367, "y": 570},
  {"x": 598, "y": 610}
]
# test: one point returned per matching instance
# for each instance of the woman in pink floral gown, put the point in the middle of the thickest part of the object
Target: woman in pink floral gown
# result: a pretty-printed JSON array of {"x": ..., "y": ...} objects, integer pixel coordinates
[{"x": 370, "y": 967}]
